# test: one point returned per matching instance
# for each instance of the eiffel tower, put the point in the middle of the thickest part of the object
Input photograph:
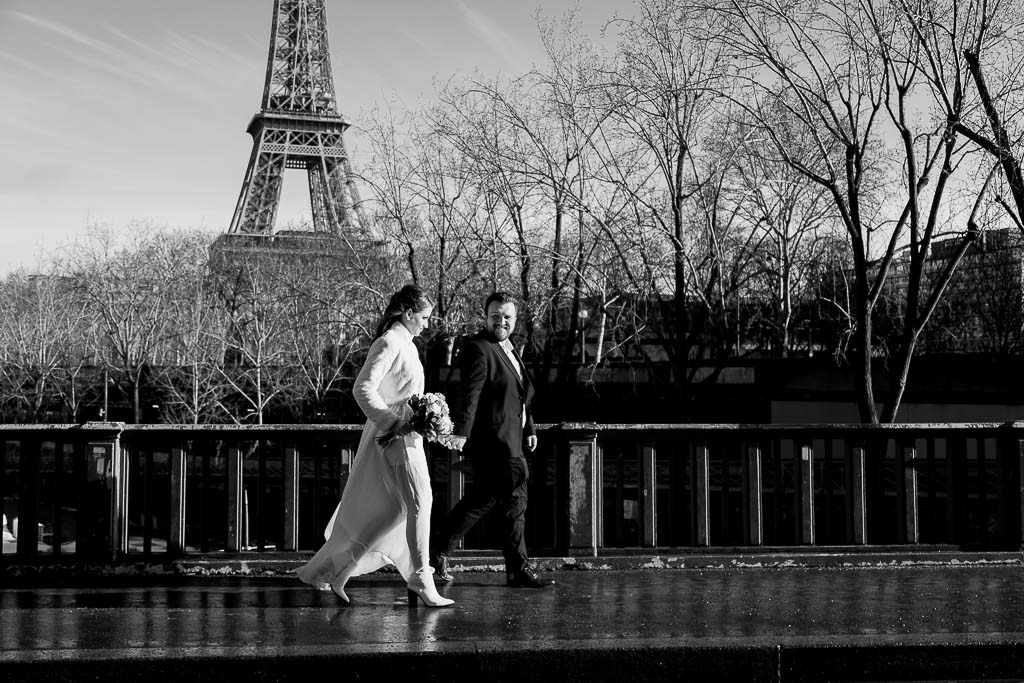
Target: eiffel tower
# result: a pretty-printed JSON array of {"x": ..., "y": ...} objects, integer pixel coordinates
[{"x": 298, "y": 127}]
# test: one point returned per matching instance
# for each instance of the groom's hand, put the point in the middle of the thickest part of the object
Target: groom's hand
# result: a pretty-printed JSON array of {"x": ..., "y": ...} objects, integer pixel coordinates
[{"x": 531, "y": 442}]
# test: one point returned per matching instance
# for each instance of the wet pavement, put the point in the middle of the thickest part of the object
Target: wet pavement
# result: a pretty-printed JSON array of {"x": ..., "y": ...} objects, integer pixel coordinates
[{"x": 950, "y": 622}]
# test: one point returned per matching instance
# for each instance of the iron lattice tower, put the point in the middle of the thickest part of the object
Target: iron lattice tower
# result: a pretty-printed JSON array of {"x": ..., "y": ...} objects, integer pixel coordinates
[{"x": 298, "y": 127}]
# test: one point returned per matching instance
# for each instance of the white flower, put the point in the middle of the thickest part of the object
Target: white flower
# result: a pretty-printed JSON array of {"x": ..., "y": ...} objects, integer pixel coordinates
[{"x": 444, "y": 425}]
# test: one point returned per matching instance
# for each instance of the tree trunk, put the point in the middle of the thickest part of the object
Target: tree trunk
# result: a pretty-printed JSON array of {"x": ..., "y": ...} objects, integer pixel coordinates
[
  {"x": 136, "y": 402},
  {"x": 680, "y": 382},
  {"x": 548, "y": 359},
  {"x": 862, "y": 342},
  {"x": 195, "y": 392}
]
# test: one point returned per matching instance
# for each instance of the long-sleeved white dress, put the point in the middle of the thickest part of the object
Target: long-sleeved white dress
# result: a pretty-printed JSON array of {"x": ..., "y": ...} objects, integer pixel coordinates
[{"x": 384, "y": 514}]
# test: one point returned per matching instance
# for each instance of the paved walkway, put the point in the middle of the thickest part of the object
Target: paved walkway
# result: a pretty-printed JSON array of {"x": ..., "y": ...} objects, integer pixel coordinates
[{"x": 924, "y": 622}]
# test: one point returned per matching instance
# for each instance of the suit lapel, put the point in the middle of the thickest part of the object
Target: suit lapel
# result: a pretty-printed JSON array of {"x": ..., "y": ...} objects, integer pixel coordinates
[
  {"x": 524, "y": 376},
  {"x": 508, "y": 362}
]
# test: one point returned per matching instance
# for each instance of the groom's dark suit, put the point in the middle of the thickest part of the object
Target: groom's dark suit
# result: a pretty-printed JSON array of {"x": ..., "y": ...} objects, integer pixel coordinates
[{"x": 492, "y": 409}]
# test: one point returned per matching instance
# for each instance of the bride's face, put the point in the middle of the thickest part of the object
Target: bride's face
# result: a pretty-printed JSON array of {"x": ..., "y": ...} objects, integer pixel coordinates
[{"x": 417, "y": 321}]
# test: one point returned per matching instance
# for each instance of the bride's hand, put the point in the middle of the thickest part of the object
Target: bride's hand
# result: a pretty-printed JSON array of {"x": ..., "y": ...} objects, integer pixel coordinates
[{"x": 455, "y": 443}]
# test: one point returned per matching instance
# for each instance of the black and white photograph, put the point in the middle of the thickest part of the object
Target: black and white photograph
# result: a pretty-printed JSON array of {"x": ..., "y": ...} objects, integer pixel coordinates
[{"x": 499, "y": 340}]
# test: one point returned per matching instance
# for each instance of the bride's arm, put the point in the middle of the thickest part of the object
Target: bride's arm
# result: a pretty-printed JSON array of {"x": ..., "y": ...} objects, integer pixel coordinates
[{"x": 366, "y": 390}]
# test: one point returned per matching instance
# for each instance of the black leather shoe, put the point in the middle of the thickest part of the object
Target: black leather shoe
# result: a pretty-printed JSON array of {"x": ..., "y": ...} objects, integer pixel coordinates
[
  {"x": 526, "y": 578},
  {"x": 439, "y": 562}
]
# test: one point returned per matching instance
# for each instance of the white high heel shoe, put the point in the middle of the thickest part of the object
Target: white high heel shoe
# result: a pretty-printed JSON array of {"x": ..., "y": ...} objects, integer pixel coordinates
[
  {"x": 338, "y": 585},
  {"x": 422, "y": 586},
  {"x": 339, "y": 590}
]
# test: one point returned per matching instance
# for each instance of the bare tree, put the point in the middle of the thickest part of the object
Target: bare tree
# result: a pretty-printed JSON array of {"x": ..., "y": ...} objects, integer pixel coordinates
[
  {"x": 123, "y": 285},
  {"x": 988, "y": 34},
  {"x": 791, "y": 218},
  {"x": 571, "y": 88},
  {"x": 489, "y": 123},
  {"x": 666, "y": 89},
  {"x": 40, "y": 327},
  {"x": 390, "y": 171},
  {"x": 455, "y": 208},
  {"x": 189, "y": 372},
  {"x": 257, "y": 367},
  {"x": 329, "y": 322},
  {"x": 431, "y": 211},
  {"x": 532, "y": 142},
  {"x": 850, "y": 76}
]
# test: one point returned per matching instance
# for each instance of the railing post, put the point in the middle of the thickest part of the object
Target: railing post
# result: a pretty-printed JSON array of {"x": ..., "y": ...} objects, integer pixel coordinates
[
  {"x": 29, "y": 455},
  {"x": 858, "y": 492},
  {"x": 1020, "y": 480},
  {"x": 348, "y": 456},
  {"x": 755, "y": 513},
  {"x": 291, "y": 497},
  {"x": 648, "y": 457},
  {"x": 456, "y": 482},
  {"x": 701, "y": 493},
  {"x": 910, "y": 492},
  {"x": 807, "y": 494},
  {"x": 582, "y": 499},
  {"x": 179, "y": 477},
  {"x": 106, "y": 483},
  {"x": 234, "y": 493},
  {"x": 57, "y": 516},
  {"x": 119, "y": 516}
]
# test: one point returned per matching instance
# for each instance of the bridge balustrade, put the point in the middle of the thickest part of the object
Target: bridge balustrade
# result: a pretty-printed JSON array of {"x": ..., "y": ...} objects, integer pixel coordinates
[{"x": 114, "y": 492}]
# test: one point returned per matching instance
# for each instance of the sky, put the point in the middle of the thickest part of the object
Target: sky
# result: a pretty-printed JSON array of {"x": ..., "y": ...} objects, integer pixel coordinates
[{"x": 115, "y": 113}]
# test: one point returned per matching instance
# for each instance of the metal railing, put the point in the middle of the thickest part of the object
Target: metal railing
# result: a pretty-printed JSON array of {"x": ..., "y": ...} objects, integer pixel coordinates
[{"x": 107, "y": 491}]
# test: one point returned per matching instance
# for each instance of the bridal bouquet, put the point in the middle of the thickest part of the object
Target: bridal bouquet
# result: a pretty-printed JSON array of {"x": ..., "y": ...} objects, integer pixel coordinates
[{"x": 430, "y": 418}]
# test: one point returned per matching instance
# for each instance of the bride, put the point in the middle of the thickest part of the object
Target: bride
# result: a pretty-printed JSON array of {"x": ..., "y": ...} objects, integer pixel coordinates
[{"x": 384, "y": 514}]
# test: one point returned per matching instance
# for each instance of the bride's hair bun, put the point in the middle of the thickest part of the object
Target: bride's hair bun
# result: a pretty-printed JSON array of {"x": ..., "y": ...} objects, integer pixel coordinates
[{"x": 409, "y": 298}]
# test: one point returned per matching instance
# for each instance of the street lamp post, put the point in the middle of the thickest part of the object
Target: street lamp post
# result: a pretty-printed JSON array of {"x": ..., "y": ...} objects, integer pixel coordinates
[{"x": 583, "y": 315}]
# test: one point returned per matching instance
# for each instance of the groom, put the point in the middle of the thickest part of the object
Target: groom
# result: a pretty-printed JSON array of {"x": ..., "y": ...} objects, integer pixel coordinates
[{"x": 492, "y": 426}]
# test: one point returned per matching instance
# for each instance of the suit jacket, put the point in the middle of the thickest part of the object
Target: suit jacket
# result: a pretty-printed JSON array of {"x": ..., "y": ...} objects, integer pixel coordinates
[{"x": 490, "y": 404}]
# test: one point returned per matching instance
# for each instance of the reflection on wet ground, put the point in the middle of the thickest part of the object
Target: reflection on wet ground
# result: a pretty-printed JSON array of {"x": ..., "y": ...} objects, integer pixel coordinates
[{"x": 746, "y": 605}]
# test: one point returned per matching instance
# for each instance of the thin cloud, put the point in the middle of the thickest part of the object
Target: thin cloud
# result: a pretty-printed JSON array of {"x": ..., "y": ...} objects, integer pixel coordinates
[
  {"x": 29, "y": 65},
  {"x": 65, "y": 31},
  {"x": 490, "y": 33},
  {"x": 100, "y": 55},
  {"x": 35, "y": 130},
  {"x": 173, "y": 62},
  {"x": 200, "y": 51},
  {"x": 178, "y": 51},
  {"x": 143, "y": 47},
  {"x": 415, "y": 38}
]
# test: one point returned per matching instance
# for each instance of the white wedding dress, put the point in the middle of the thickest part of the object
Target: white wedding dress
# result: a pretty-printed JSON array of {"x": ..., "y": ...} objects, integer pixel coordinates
[{"x": 384, "y": 514}]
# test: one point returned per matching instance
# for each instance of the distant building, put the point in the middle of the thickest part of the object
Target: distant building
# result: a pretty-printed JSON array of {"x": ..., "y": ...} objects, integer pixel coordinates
[{"x": 982, "y": 309}]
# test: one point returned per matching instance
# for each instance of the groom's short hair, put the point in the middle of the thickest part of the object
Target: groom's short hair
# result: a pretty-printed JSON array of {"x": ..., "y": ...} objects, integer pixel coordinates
[{"x": 501, "y": 297}]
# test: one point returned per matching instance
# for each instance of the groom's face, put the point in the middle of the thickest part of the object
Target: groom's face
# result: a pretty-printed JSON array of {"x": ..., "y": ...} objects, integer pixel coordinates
[{"x": 501, "y": 319}]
